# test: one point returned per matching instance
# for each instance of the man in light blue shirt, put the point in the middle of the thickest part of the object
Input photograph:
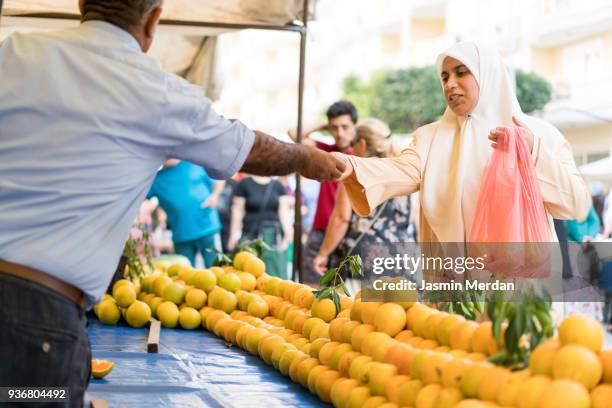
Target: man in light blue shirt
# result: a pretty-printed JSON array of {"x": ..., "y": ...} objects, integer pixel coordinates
[
  {"x": 187, "y": 194},
  {"x": 86, "y": 119}
]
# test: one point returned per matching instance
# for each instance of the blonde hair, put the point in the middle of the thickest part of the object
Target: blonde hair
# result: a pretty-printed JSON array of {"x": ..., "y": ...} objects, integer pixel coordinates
[{"x": 377, "y": 136}]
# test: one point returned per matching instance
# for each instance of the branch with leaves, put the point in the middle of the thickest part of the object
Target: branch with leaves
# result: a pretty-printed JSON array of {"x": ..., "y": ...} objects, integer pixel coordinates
[
  {"x": 529, "y": 323},
  {"x": 332, "y": 280},
  {"x": 469, "y": 304}
]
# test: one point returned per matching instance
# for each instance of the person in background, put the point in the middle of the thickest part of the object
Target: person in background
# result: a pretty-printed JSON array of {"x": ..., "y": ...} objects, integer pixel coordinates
[
  {"x": 189, "y": 197},
  {"x": 387, "y": 224},
  {"x": 224, "y": 206},
  {"x": 260, "y": 203},
  {"x": 341, "y": 121},
  {"x": 586, "y": 230}
]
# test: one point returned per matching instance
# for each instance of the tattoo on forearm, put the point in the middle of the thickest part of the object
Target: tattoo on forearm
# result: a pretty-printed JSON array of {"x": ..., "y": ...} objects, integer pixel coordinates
[{"x": 272, "y": 157}]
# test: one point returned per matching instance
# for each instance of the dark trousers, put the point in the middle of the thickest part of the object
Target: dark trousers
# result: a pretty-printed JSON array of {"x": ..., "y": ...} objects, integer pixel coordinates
[
  {"x": 191, "y": 248},
  {"x": 43, "y": 340}
]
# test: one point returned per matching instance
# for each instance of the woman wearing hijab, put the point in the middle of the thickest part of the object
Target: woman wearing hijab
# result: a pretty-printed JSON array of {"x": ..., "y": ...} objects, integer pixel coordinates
[{"x": 447, "y": 158}]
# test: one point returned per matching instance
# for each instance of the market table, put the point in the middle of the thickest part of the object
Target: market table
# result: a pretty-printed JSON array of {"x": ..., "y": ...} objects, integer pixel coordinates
[{"x": 192, "y": 369}]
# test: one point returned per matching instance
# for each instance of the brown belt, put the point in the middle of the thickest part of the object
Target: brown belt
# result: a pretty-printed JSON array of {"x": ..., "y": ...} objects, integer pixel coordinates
[{"x": 43, "y": 279}]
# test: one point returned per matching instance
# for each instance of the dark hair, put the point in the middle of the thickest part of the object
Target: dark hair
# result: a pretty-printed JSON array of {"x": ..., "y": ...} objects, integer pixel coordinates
[
  {"x": 126, "y": 14},
  {"x": 340, "y": 108}
]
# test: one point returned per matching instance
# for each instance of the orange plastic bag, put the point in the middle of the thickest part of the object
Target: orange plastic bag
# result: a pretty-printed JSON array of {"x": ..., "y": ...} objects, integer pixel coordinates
[{"x": 510, "y": 211}]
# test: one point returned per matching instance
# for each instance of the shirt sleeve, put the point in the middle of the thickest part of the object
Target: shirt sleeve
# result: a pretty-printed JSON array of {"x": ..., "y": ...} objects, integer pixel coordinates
[
  {"x": 565, "y": 193},
  {"x": 376, "y": 180},
  {"x": 279, "y": 188},
  {"x": 202, "y": 136},
  {"x": 240, "y": 190}
]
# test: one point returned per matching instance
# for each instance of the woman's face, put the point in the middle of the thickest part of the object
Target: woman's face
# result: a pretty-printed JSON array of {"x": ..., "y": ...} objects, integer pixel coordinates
[{"x": 460, "y": 87}]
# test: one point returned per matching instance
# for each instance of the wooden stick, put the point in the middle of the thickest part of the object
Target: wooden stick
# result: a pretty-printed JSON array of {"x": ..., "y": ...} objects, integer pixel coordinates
[
  {"x": 153, "y": 340},
  {"x": 99, "y": 403}
]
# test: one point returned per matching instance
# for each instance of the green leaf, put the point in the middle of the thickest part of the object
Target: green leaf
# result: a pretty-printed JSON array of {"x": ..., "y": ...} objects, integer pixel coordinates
[
  {"x": 345, "y": 289},
  {"x": 498, "y": 321},
  {"x": 324, "y": 293},
  {"x": 329, "y": 275},
  {"x": 499, "y": 358},
  {"x": 336, "y": 299}
]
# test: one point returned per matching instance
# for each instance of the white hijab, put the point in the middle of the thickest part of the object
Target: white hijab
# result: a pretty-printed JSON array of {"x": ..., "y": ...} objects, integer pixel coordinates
[{"x": 460, "y": 148}]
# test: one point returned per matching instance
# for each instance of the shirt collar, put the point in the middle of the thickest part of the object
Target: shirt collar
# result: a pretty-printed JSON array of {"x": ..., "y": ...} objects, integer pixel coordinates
[{"x": 115, "y": 31}]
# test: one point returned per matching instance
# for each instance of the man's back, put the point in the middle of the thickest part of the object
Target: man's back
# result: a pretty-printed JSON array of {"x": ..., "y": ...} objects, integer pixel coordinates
[{"x": 86, "y": 118}]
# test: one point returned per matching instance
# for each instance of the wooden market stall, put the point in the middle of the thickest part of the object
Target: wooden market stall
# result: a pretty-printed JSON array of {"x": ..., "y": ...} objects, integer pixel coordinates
[{"x": 191, "y": 28}]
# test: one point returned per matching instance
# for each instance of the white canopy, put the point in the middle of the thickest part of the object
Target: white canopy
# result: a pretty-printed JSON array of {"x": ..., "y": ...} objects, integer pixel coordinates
[
  {"x": 600, "y": 170},
  {"x": 188, "y": 50}
]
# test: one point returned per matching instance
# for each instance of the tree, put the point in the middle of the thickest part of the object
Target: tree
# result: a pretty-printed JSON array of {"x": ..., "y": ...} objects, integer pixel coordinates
[
  {"x": 532, "y": 91},
  {"x": 404, "y": 98}
]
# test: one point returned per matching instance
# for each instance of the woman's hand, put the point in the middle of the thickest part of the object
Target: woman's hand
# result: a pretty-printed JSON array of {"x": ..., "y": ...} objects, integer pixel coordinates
[
  {"x": 496, "y": 133},
  {"x": 320, "y": 264},
  {"x": 348, "y": 169}
]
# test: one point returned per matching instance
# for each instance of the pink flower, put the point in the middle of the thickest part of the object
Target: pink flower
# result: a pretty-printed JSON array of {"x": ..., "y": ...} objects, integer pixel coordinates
[{"x": 136, "y": 234}]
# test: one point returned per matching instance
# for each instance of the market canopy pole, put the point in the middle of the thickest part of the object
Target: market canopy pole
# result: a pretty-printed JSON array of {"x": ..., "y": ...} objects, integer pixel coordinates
[
  {"x": 0, "y": 10},
  {"x": 297, "y": 227}
]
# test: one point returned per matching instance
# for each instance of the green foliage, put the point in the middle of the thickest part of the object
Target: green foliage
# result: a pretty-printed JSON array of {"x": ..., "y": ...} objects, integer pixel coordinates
[
  {"x": 532, "y": 91},
  {"x": 331, "y": 282}
]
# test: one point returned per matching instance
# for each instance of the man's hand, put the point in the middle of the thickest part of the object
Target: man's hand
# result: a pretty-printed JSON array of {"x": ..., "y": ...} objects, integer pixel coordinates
[
  {"x": 320, "y": 165},
  {"x": 496, "y": 133}
]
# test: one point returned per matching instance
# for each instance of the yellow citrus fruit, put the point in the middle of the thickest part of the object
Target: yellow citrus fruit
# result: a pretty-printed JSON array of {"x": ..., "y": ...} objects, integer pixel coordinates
[
  {"x": 368, "y": 311},
  {"x": 448, "y": 398},
  {"x": 335, "y": 328},
  {"x": 531, "y": 391},
  {"x": 431, "y": 325},
  {"x": 408, "y": 392},
  {"x": 393, "y": 387},
  {"x": 304, "y": 368},
  {"x": 325, "y": 309},
  {"x": 577, "y": 363},
  {"x": 509, "y": 391},
  {"x": 380, "y": 374},
  {"x": 428, "y": 395},
  {"x": 461, "y": 336},
  {"x": 445, "y": 328},
  {"x": 175, "y": 293},
  {"x": 491, "y": 383},
  {"x": 168, "y": 314},
  {"x": 346, "y": 332},
  {"x": 258, "y": 307},
  {"x": 433, "y": 367},
  {"x": 601, "y": 396},
  {"x": 324, "y": 383},
  {"x": 314, "y": 375},
  {"x": 230, "y": 281},
  {"x": 303, "y": 297},
  {"x": 295, "y": 364},
  {"x": 241, "y": 259},
  {"x": 255, "y": 266},
  {"x": 583, "y": 330},
  {"x": 359, "y": 334},
  {"x": 472, "y": 378},
  {"x": 565, "y": 394},
  {"x": 372, "y": 341},
  {"x": 541, "y": 359},
  {"x": 247, "y": 281},
  {"x": 101, "y": 368},
  {"x": 108, "y": 312},
  {"x": 390, "y": 318},
  {"x": 204, "y": 279},
  {"x": 606, "y": 361},
  {"x": 356, "y": 310},
  {"x": 138, "y": 314},
  {"x": 453, "y": 372},
  {"x": 195, "y": 298},
  {"x": 344, "y": 363},
  {"x": 189, "y": 318},
  {"x": 124, "y": 295},
  {"x": 357, "y": 397},
  {"x": 340, "y": 391},
  {"x": 160, "y": 283},
  {"x": 226, "y": 301},
  {"x": 374, "y": 402}
]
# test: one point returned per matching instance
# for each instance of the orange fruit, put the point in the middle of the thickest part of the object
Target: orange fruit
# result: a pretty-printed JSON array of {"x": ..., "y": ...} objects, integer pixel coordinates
[
  {"x": 565, "y": 394},
  {"x": 583, "y": 330},
  {"x": 577, "y": 363}
]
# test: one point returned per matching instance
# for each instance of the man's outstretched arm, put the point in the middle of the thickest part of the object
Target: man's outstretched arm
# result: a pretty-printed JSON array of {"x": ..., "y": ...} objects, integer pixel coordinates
[{"x": 270, "y": 157}]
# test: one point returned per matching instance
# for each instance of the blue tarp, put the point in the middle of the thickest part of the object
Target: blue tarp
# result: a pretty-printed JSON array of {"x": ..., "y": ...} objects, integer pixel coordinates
[{"x": 192, "y": 369}]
